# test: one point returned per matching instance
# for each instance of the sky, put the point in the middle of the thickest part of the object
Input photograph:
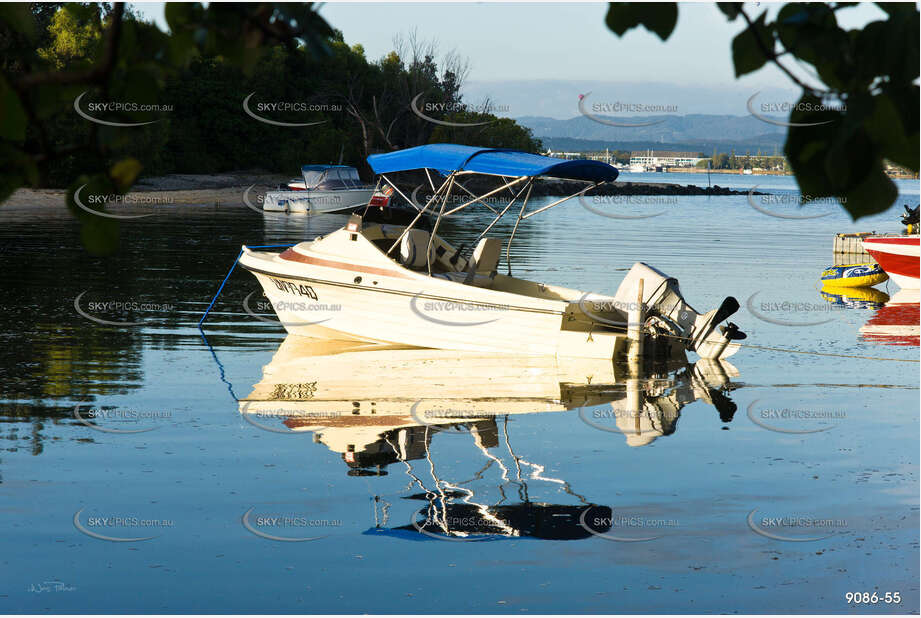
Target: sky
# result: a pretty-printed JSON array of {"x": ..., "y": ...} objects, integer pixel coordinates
[{"x": 515, "y": 41}]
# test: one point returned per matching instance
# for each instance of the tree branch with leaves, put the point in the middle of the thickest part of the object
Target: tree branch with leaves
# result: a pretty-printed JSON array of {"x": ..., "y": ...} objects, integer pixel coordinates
[{"x": 865, "y": 112}]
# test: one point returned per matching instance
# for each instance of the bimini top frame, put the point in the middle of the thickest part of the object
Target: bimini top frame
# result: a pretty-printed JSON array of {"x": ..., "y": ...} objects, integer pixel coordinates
[{"x": 517, "y": 169}]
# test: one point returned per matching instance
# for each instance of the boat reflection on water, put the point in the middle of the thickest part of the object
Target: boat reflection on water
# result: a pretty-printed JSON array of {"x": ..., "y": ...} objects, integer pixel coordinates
[
  {"x": 383, "y": 405},
  {"x": 898, "y": 322}
]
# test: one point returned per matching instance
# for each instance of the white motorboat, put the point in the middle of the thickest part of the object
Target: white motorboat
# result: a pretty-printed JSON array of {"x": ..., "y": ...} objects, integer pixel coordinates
[
  {"x": 400, "y": 285},
  {"x": 322, "y": 189}
]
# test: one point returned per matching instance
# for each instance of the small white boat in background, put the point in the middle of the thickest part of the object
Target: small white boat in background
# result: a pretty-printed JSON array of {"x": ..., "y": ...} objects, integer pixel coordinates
[
  {"x": 395, "y": 284},
  {"x": 322, "y": 189}
]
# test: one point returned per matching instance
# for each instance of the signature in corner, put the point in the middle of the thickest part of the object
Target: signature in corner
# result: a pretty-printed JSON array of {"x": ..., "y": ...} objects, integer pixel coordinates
[{"x": 51, "y": 586}]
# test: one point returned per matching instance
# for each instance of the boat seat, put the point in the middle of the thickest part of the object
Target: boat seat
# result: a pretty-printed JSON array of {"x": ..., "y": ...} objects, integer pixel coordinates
[
  {"x": 483, "y": 265},
  {"x": 413, "y": 249},
  {"x": 485, "y": 260}
]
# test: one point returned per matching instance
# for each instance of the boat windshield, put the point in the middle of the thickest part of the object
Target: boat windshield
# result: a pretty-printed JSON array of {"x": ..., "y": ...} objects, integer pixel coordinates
[
  {"x": 313, "y": 177},
  {"x": 336, "y": 178}
]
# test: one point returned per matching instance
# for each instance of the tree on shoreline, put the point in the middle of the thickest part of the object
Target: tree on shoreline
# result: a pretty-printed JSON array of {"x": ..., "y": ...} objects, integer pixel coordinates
[{"x": 90, "y": 94}]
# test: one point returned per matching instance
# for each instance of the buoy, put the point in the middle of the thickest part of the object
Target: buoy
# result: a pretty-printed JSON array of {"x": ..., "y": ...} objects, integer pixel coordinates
[{"x": 853, "y": 275}]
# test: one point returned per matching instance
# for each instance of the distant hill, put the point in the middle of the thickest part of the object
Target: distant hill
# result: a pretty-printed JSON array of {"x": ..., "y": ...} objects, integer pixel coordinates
[
  {"x": 559, "y": 98},
  {"x": 698, "y": 117},
  {"x": 697, "y": 132}
]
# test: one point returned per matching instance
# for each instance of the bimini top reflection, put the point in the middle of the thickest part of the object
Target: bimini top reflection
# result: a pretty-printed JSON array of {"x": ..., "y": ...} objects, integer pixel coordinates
[{"x": 322, "y": 388}]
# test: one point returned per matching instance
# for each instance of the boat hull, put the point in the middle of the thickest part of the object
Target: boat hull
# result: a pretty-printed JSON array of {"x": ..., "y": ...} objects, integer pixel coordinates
[
  {"x": 382, "y": 311},
  {"x": 898, "y": 256},
  {"x": 300, "y": 201},
  {"x": 344, "y": 285}
]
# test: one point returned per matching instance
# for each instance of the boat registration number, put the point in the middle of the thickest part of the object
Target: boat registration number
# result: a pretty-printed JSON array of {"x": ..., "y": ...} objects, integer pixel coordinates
[{"x": 295, "y": 288}]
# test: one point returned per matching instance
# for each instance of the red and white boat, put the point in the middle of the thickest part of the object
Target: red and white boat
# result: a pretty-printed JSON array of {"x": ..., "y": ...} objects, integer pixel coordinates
[{"x": 898, "y": 256}]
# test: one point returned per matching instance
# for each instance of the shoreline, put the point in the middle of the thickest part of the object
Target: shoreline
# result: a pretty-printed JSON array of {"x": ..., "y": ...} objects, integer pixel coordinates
[{"x": 223, "y": 190}]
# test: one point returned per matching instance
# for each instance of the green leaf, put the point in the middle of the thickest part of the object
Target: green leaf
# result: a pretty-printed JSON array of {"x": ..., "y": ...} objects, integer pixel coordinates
[
  {"x": 124, "y": 173},
  {"x": 99, "y": 236},
  {"x": 18, "y": 16},
  {"x": 16, "y": 169},
  {"x": 839, "y": 159},
  {"x": 12, "y": 115},
  {"x": 658, "y": 18},
  {"x": 747, "y": 54},
  {"x": 181, "y": 14},
  {"x": 730, "y": 9},
  {"x": 874, "y": 193},
  {"x": 810, "y": 32}
]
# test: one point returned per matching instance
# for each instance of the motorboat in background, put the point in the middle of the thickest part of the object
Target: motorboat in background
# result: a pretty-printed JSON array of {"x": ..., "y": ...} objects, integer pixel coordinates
[
  {"x": 898, "y": 255},
  {"x": 403, "y": 285},
  {"x": 321, "y": 189}
]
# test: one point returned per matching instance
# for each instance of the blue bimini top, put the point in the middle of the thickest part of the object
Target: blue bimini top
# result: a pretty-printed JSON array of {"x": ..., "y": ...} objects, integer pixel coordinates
[{"x": 447, "y": 158}]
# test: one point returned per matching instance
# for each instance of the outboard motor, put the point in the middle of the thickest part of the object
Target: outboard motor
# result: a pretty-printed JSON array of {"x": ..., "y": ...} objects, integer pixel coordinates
[{"x": 666, "y": 308}]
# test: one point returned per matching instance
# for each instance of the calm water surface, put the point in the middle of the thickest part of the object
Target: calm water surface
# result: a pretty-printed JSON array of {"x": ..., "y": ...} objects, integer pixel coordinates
[{"x": 781, "y": 485}]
